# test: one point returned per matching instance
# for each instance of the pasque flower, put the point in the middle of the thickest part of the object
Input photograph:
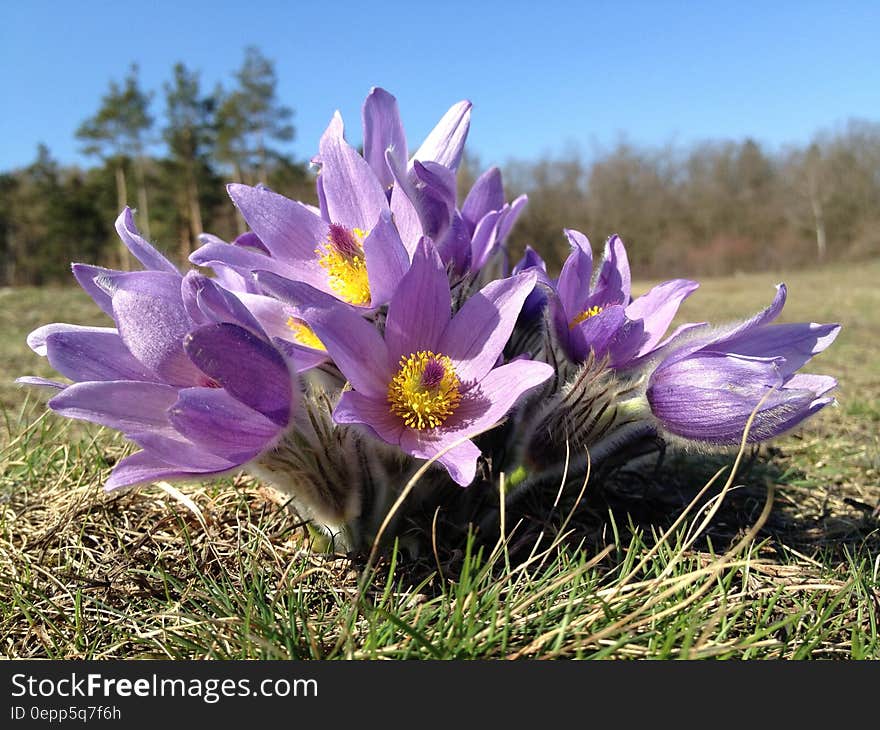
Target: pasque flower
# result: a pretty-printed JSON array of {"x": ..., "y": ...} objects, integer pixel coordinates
[
  {"x": 537, "y": 300},
  {"x": 379, "y": 283},
  {"x": 355, "y": 253},
  {"x": 487, "y": 218},
  {"x": 383, "y": 131},
  {"x": 187, "y": 373},
  {"x": 707, "y": 384},
  {"x": 358, "y": 244},
  {"x": 279, "y": 320},
  {"x": 601, "y": 316},
  {"x": 431, "y": 380}
]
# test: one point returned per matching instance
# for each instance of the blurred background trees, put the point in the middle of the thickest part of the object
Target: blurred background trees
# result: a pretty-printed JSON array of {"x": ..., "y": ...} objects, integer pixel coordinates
[
  {"x": 715, "y": 207},
  {"x": 711, "y": 208}
]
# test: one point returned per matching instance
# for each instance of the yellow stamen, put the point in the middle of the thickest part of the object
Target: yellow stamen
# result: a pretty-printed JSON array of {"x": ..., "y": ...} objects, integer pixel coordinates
[
  {"x": 346, "y": 270},
  {"x": 586, "y": 314},
  {"x": 304, "y": 334},
  {"x": 424, "y": 399}
]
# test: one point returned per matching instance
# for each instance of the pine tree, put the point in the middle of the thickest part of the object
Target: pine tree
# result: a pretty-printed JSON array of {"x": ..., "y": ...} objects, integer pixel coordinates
[
  {"x": 117, "y": 134},
  {"x": 189, "y": 133}
]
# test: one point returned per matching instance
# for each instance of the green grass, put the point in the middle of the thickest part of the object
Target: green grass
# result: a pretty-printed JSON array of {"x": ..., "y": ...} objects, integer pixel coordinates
[{"x": 780, "y": 560}]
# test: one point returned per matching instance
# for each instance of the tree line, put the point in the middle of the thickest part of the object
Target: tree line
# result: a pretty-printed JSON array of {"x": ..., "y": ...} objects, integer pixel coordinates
[
  {"x": 712, "y": 208},
  {"x": 171, "y": 169},
  {"x": 709, "y": 208}
]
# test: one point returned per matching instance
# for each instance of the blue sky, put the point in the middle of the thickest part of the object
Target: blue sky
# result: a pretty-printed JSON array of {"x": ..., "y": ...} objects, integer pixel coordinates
[{"x": 543, "y": 77}]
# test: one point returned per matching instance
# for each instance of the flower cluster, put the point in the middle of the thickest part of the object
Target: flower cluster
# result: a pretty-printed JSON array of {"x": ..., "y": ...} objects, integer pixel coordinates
[{"x": 335, "y": 348}]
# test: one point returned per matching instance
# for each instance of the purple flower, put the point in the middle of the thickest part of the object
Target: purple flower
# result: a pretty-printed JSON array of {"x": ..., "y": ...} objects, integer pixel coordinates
[
  {"x": 421, "y": 188},
  {"x": 229, "y": 277},
  {"x": 487, "y": 218},
  {"x": 355, "y": 253},
  {"x": 279, "y": 320},
  {"x": 537, "y": 300},
  {"x": 432, "y": 379},
  {"x": 708, "y": 384},
  {"x": 602, "y": 317},
  {"x": 357, "y": 245},
  {"x": 383, "y": 131},
  {"x": 187, "y": 372}
]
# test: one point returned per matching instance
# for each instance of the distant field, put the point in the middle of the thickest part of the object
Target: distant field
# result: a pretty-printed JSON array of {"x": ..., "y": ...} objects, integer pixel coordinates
[{"x": 86, "y": 575}]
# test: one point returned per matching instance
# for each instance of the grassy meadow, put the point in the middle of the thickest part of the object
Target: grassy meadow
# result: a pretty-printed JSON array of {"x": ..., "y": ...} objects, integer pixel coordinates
[{"x": 682, "y": 556}]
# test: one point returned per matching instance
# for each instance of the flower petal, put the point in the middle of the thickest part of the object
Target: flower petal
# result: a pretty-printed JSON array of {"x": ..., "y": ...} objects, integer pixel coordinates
[
  {"x": 797, "y": 343},
  {"x": 597, "y": 333},
  {"x": 246, "y": 365},
  {"x": 289, "y": 231},
  {"x": 144, "y": 468},
  {"x": 222, "y": 424},
  {"x": 36, "y": 340},
  {"x": 477, "y": 334},
  {"x": 297, "y": 294},
  {"x": 128, "y": 406},
  {"x": 613, "y": 282},
  {"x": 445, "y": 143},
  {"x": 178, "y": 451},
  {"x": 383, "y": 129},
  {"x": 720, "y": 339},
  {"x": 85, "y": 276},
  {"x": 434, "y": 187},
  {"x": 208, "y": 303},
  {"x": 724, "y": 372},
  {"x": 301, "y": 357},
  {"x": 712, "y": 403},
  {"x": 83, "y": 355},
  {"x": 420, "y": 308},
  {"x": 249, "y": 239},
  {"x": 41, "y": 382},
  {"x": 354, "y": 407},
  {"x": 354, "y": 345},
  {"x": 322, "y": 199},
  {"x": 764, "y": 317},
  {"x": 460, "y": 460},
  {"x": 455, "y": 246},
  {"x": 406, "y": 218},
  {"x": 153, "y": 322},
  {"x": 386, "y": 259},
  {"x": 485, "y": 238},
  {"x": 353, "y": 194},
  {"x": 573, "y": 287},
  {"x": 430, "y": 189},
  {"x": 510, "y": 216},
  {"x": 273, "y": 315},
  {"x": 486, "y": 195},
  {"x": 535, "y": 302},
  {"x": 495, "y": 395},
  {"x": 245, "y": 260},
  {"x": 658, "y": 308},
  {"x": 818, "y": 384},
  {"x": 139, "y": 247},
  {"x": 232, "y": 280}
]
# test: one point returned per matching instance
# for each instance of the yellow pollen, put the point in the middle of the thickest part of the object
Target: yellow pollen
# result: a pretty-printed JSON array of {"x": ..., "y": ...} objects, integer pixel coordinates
[
  {"x": 586, "y": 314},
  {"x": 347, "y": 273},
  {"x": 423, "y": 404},
  {"x": 304, "y": 334}
]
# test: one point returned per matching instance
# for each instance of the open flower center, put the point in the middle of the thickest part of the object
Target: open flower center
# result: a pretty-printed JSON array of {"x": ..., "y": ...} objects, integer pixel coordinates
[
  {"x": 304, "y": 334},
  {"x": 585, "y": 315},
  {"x": 341, "y": 255},
  {"x": 425, "y": 391}
]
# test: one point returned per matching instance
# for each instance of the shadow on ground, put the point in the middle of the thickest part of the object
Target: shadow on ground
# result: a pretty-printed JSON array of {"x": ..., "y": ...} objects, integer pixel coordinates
[{"x": 817, "y": 522}]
